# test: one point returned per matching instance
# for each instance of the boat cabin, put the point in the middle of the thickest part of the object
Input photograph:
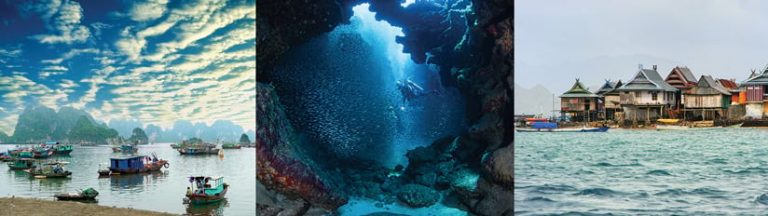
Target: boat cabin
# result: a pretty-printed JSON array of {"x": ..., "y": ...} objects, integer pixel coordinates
[
  {"x": 211, "y": 186},
  {"x": 127, "y": 163}
]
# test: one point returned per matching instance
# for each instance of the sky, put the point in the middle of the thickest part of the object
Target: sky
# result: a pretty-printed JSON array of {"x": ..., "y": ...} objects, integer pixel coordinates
[
  {"x": 557, "y": 41},
  {"x": 156, "y": 61}
]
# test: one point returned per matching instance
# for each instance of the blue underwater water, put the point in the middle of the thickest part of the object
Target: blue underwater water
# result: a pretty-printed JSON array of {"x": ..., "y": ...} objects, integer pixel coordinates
[{"x": 340, "y": 92}]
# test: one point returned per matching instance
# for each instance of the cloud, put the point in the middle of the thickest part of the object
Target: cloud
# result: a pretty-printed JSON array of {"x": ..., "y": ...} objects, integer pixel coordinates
[
  {"x": 149, "y": 10},
  {"x": 70, "y": 54},
  {"x": 64, "y": 19},
  {"x": 10, "y": 53}
]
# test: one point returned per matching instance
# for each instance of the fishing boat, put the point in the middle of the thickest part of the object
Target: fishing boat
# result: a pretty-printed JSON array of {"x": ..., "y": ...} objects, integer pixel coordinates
[
  {"x": 198, "y": 149},
  {"x": 175, "y": 146},
  {"x": 42, "y": 152},
  {"x": 136, "y": 164},
  {"x": 126, "y": 149},
  {"x": 670, "y": 124},
  {"x": 205, "y": 190},
  {"x": 231, "y": 146},
  {"x": 60, "y": 149},
  {"x": 21, "y": 164},
  {"x": 88, "y": 194},
  {"x": 5, "y": 157},
  {"x": 53, "y": 169},
  {"x": 541, "y": 126}
]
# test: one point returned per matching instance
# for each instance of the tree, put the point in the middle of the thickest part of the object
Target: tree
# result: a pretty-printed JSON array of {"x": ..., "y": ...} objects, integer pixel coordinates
[
  {"x": 139, "y": 136},
  {"x": 244, "y": 139}
]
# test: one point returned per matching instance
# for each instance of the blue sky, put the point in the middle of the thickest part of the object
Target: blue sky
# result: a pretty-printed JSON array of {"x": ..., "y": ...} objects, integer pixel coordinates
[
  {"x": 156, "y": 61},
  {"x": 557, "y": 41}
]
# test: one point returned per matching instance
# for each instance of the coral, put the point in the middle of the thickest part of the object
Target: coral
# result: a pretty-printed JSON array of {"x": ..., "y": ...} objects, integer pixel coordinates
[
  {"x": 281, "y": 165},
  {"x": 418, "y": 196}
]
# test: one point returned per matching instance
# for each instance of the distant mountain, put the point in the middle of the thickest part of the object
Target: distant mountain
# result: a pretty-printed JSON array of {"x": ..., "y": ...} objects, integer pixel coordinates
[
  {"x": 185, "y": 129},
  {"x": 536, "y": 100},
  {"x": 124, "y": 127},
  {"x": 40, "y": 123}
]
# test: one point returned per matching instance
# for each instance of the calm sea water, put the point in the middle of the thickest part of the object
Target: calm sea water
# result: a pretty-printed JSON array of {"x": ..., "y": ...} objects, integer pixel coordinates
[
  {"x": 696, "y": 172},
  {"x": 157, "y": 192}
]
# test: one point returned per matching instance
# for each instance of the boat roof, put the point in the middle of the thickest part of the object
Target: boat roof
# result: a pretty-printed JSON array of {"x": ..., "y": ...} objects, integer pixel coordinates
[
  {"x": 127, "y": 157},
  {"x": 50, "y": 143},
  {"x": 203, "y": 177}
]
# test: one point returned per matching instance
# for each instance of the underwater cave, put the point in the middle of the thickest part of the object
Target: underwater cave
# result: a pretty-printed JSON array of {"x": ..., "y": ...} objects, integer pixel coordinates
[{"x": 384, "y": 106}]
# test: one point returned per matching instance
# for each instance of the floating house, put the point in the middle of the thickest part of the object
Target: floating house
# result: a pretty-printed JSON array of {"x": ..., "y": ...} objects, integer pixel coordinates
[
  {"x": 646, "y": 96},
  {"x": 681, "y": 78},
  {"x": 579, "y": 103},
  {"x": 609, "y": 102},
  {"x": 708, "y": 99},
  {"x": 755, "y": 90}
]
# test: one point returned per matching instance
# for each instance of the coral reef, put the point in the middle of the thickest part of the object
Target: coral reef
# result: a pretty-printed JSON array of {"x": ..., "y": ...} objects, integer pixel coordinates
[
  {"x": 418, "y": 195},
  {"x": 281, "y": 163}
]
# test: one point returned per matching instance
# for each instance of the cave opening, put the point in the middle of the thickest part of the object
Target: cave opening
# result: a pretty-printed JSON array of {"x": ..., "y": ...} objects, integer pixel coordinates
[{"x": 351, "y": 108}]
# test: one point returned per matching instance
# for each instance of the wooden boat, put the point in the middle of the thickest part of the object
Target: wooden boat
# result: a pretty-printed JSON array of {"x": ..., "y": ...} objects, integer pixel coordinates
[
  {"x": 84, "y": 195},
  {"x": 672, "y": 127},
  {"x": 60, "y": 149},
  {"x": 126, "y": 149},
  {"x": 175, "y": 146},
  {"x": 50, "y": 170},
  {"x": 669, "y": 121},
  {"x": 198, "y": 149},
  {"x": 21, "y": 164},
  {"x": 136, "y": 164},
  {"x": 42, "y": 152},
  {"x": 231, "y": 146},
  {"x": 5, "y": 157},
  {"x": 736, "y": 125},
  {"x": 582, "y": 129},
  {"x": 205, "y": 190}
]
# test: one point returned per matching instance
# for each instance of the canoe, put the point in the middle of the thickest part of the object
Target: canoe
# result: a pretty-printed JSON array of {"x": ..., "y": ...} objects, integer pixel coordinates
[
  {"x": 672, "y": 127},
  {"x": 583, "y": 129},
  {"x": 669, "y": 121}
]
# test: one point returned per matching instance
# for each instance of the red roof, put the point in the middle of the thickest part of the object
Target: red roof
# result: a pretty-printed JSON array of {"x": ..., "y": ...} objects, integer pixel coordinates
[{"x": 728, "y": 83}]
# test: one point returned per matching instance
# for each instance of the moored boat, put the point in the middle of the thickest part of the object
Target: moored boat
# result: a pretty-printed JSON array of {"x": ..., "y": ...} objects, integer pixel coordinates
[
  {"x": 42, "y": 152},
  {"x": 104, "y": 170},
  {"x": 205, "y": 190},
  {"x": 670, "y": 124},
  {"x": 21, "y": 164},
  {"x": 231, "y": 146},
  {"x": 136, "y": 164},
  {"x": 198, "y": 149},
  {"x": 53, "y": 169},
  {"x": 541, "y": 126},
  {"x": 126, "y": 149},
  {"x": 84, "y": 195},
  {"x": 61, "y": 149}
]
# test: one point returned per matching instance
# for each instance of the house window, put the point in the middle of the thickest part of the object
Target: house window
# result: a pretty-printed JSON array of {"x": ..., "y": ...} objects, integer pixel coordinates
[{"x": 654, "y": 96}]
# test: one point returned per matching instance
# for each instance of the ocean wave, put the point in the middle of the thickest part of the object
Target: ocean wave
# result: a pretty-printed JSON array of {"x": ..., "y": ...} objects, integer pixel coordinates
[
  {"x": 598, "y": 192},
  {"x": 705, "y": 191},
  {"x": 718, "y": 161},
  {"x": 762, "y": 199},
  {"x": 606, "y": 164},
  {"x": 549, "y": 189},
  {"x": 540, "y": 199},
  {"x": 750, "y": 170},
  {"x": 658, "y": 173}
]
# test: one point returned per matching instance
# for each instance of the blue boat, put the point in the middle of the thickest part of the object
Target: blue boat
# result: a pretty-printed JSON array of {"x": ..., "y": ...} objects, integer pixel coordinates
[
  {"x": 136, "y": 164},
  {"x": 552, "y": 127}
]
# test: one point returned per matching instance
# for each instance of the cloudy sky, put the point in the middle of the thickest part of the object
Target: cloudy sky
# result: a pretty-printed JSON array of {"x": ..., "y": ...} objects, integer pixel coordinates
[
  {"x": 156, "y": 61},
  {"x": 557, "y": 41}
]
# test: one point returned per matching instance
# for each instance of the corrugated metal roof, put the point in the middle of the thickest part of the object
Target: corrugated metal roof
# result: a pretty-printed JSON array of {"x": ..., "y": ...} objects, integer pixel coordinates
[
  {"x": 688, "y": 75},
  {"x": 707, "y": 85},
  {"x": 728, "y": 84},
  {"x": 647, "y": 79},
  {"x": 759, "y": 79}
]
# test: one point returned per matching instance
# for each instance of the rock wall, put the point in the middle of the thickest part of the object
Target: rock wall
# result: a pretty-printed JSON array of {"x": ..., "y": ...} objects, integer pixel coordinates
[{"x": 282, "y": 165}]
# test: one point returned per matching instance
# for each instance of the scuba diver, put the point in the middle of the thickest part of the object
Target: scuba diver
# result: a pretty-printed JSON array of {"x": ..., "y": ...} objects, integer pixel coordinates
[{"x": 409, "y": 89}]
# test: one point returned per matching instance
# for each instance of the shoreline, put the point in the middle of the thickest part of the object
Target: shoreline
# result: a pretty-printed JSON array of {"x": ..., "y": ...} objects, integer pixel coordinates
[{"x": 36, "y": 206}]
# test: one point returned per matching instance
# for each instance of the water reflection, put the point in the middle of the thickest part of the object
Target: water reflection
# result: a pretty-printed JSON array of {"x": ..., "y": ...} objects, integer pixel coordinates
[
  {"x": 208, "y": 209},
  {"x": 53, "y": 184}
]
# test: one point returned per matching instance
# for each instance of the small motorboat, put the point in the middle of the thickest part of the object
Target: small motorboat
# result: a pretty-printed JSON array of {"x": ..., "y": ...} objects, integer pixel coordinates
[
  {"x": 84, "y": 195},
  {"x": 205, "y": 190},
  {"x": 670, "y": 124},
  {"x": 21, "y": 164}
]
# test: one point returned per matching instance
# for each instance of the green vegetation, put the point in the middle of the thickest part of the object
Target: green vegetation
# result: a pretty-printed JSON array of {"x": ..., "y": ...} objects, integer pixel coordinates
[
  {"x": 41, "y": 123},
  {"x": 138, "y": 136},
  {"x": 244, "y": 139}
]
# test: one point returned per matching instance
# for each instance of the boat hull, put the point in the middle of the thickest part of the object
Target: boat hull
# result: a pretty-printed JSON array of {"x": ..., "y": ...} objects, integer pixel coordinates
[
  {"x": 201, "y": 199},
  {"x": 672, "y": 127},
  {"x": 599, "y": 129},
  {"x": 153, "y": 167}
]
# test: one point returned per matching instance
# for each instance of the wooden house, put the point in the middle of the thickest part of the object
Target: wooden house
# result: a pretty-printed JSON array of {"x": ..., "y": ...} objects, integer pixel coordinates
[
  {"x": 646, "y": 96},
  {"x": 708, "y": 99},
  {"x": 756, "y": 103},
  {"x": 579, "y": 103},
  {"x": 609, "y": 102},
  {"x": 683, "y": 79},
  {"x": 734, "y": 89}
]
